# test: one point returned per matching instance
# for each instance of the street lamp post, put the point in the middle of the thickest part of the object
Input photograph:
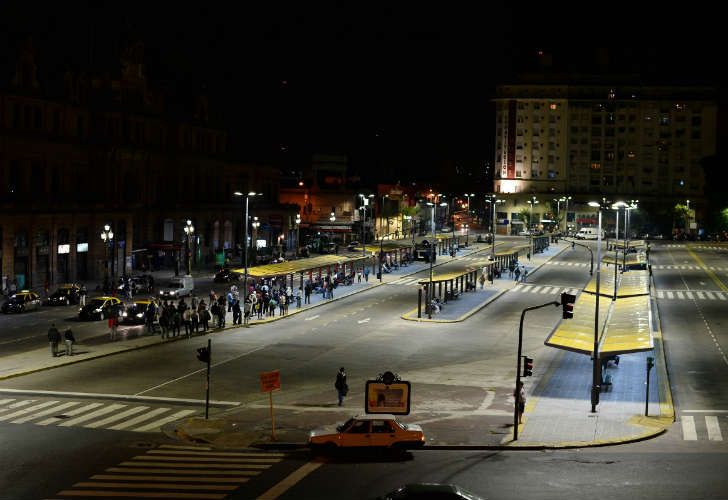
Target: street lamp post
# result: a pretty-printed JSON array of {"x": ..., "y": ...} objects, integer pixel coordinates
[
  {"x": 245, "y": 240},
  {"x": 332, "y": 219},
  {"x": 466, "y": 234},
  {"x": 298, "y": 226},
  {"x": 107, "y": 235},
  {"x": 533, "y": 201},
  {"x": 616, "y": 206},
  {"x": 493, "y": 203},
  {"x": 189, "y": 231},
  {"x": 596, "y": 375},
  {"x": 632, "y": 205},
  {"x": 430, "y": 288}
]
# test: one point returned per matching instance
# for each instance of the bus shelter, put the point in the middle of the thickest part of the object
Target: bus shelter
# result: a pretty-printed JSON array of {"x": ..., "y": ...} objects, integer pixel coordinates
[
  {"x": 452, "y": 284},
  {"x": 392, "y": 252},
  {"x": 445, "y": 242},
  {"x": 321, "y": 266}
]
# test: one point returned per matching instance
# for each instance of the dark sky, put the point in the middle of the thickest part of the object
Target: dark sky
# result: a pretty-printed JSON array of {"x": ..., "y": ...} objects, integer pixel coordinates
[{"x": 402, "y": 90}]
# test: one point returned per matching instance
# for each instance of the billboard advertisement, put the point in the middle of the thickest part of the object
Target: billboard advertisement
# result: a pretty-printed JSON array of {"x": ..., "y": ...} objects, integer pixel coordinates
[{"x": 391, "y": 398}]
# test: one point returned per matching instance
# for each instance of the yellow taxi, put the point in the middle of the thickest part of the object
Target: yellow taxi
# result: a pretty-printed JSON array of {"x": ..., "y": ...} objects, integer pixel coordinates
[
  {"x": 25, "y": 300},
  {"x": 100, "y": 308},
  {"x": 380, "y": 430}
]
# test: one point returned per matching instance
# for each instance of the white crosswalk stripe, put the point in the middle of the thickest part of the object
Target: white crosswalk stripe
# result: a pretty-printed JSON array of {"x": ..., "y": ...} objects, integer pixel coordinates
[
  {"x": 711, "y": 423},
  {"x": 702, "y": 428},
  {"x": 688, "y": 428},
  {"x": 93, "y": 415},
  {"x": 691, "y": 295}
]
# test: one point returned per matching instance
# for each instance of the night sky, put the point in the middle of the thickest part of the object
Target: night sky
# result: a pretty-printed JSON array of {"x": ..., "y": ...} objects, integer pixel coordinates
[{"x": 403, "y": 91}]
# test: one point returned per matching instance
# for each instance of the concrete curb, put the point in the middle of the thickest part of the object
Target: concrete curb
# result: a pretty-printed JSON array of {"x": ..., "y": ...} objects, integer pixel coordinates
[{"x": 667, "y": 408}]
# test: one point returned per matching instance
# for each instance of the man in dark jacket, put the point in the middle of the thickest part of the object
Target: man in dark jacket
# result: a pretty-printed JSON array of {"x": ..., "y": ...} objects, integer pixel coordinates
[
  {"x": 341, "y": 387},
  {"x": 54, "y": 336},
  {"x": 70, "y": 340}
]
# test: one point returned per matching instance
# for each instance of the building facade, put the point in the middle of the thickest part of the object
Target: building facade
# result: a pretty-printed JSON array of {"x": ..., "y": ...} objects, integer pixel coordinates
[
  {"x": 113, "y": 149},
  {"x": 591, "y": 141}
]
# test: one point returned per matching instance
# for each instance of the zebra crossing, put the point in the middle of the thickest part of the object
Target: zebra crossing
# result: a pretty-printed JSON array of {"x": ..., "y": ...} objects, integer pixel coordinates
[
  {"x": 696, "y": 247},
  {"x": 691, "y": 295},
  {"x": 689, "y": 268},
  {"x": 176, "y": 471},
  {"x": 544, "y": 289},
  {"x": 565, "y": 263},
  {"x": 407, "y": 280},
  {"x": 702, "y": 427},
  {"x": 92, "y": 415}
]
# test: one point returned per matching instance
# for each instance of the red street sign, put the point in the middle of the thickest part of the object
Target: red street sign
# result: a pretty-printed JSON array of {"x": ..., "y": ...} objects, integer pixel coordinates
[{"x": 270, "y": 381}]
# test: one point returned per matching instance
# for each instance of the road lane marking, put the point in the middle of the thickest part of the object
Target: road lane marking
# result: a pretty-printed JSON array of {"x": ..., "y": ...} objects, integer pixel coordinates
[
  {"x": 118, "y": 416},
  {"x": 365, "y": 320},
  {"x": 711, "y": 422},
  {"x": 139, "y": 419},
  {"x": 193, "y": 465},
  {"x": 219, "y": 461},
  {"x": 134, "y": 397},
  {"x": 29, "y": 409},
  {"x": 680, "y": 295},
  {"x": 535, "y": 289},
  {"x": 660, "y": 295},
  {"x": 126, "y": 470},
  {"x": 700, "y": 295},
  {"x": 19, "y": 404},
  {"x": 156, "y": 486},
  {"x": 163, "y": 479},
  {"x": 160, "y": 423},
  {"x": 689, "y": 295},
  {"x": 206, "y": 453},
  {"x": 311, "y": 317},
  {"x": 710, "y": 295},
  {"x": 710, "y": 273},
  {"x": 288, "y": 482},
  {"x": 71, "y": 413},
  {"x": 688, "y": 428},
  {"x": 92, "y": 415},
  {"x": 45, "y": 412}
]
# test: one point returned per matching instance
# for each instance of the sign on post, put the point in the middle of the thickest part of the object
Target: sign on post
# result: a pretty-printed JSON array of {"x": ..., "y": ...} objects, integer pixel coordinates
[
  {"x": 391, "y": 398},
  {"x": 269, "y": 382}
]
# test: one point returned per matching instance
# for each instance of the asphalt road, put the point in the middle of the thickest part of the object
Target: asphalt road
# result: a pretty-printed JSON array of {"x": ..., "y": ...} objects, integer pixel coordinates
[{"x": 694, "y": 329}]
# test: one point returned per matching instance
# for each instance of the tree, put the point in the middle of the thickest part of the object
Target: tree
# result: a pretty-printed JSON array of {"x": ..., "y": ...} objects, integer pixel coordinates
[
  {"x": 525, "y": 215},
  {"x": 680, "y": 216}
]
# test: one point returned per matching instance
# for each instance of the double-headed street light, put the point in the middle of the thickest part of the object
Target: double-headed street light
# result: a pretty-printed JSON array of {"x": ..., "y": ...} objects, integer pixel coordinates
[
  {"x": 430, "y": 288},
  {"x": 189, "y": 230},
  {"x": 465, "y": 226},
  {"x": 107, "y": 236},
  {"x": 245, "y": 240},
  {"x": 616, "y": 207},
  {"x": 632, "y": 205},
  {"x": 364, "y": 204},
  {"x": 559, "y": 201},
  {"x": 596, "y": 375}
]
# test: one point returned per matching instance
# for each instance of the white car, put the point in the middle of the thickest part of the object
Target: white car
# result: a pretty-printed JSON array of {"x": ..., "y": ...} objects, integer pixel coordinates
[{"x": 177, "y": 287}]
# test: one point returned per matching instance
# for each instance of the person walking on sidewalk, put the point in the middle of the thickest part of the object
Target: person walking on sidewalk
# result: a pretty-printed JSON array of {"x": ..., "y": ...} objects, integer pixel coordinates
[
  {"x": 517, "y": 273},
  {"x": 366, "y": 274},
  {"x": 525, "y": 274},
  {"x": 69, "y": 340},
  {"x": 54, "y": 336},
  {"x": 307, "y": 298},
  {"x": 187, "y": 320},
  {"x": 511, "y": 268},
  {"x": 341, "y": 386},
  {"x": 520, "y": 395}
]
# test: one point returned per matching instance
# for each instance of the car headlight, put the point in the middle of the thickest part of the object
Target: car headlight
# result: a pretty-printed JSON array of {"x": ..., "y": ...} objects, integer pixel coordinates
[
  {"x": 173, "y": 292},
  {"x": 161, "y": 292},
  {"x": 124, "y": 314},
  {"x": 140, "y": 315},
  {"x": 97, "y": 310},
  {"x": 80, "y": 309}
]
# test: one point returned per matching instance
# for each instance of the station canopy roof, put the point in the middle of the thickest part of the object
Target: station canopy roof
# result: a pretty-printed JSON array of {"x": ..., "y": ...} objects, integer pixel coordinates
[
  {"x": 629, "y": 284},
  {"x": 300, "y": 265}
]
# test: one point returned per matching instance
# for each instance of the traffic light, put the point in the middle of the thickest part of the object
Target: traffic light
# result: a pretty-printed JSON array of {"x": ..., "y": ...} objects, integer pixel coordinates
[
  {"x": 567, "y": 304},
  {"x": 650, "y": 362},
  {"x": 527, "y": 366},
  {"x": 203, "y": 354}
]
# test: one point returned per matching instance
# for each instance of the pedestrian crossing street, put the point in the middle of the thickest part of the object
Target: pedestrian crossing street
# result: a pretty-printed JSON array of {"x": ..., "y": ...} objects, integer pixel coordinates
[
  {"x": 93, "y": 415},
  {"x": 689, "y": 268},
  {"x": 703, "y": 427},
  {"x": 171, "y": 471},
  {"x": 691, "y": 295}
]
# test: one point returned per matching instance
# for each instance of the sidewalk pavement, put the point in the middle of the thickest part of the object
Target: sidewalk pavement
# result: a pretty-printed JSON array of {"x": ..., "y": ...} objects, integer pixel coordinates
[{"x": 132, "y": 338}]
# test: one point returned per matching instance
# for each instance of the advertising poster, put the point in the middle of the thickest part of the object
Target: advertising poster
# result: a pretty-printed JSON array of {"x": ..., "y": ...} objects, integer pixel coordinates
[{"x": 393, "y": 398}]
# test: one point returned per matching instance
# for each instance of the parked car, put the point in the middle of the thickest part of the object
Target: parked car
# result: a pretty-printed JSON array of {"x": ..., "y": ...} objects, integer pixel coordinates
[
  {"x": 226, "y": 276},
  {"x": 99, "y": 308},
  {"x": 139, "y": 284},
  {"x": 177, "y": 287},
  {"x": 369, "y": 430},
  {"x": 134, "y": 312},
  {"x": 429, "y": 491},
  {"x": 22, "y": 301},
  {"x": 66, "y": 295}
]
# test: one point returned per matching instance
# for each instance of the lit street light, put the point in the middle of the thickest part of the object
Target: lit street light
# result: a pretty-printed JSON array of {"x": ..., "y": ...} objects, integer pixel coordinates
[
  {"x": 107, "y": 235},
  {"x": 533, "y": 201},
  {"x": 596, "y": 375},
  {"x": 245, "y": 240},
  {"x": 189, "y": 230},
  {"x": 616, "y": 206},
  {"x": 493, "y": 200},
  {"x": 298, "y": 226},
  {"x": 430, "y": 288}
]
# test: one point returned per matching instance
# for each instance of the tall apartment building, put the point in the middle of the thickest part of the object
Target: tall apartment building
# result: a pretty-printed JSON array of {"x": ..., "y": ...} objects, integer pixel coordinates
[{"x": 622, "y": 142}]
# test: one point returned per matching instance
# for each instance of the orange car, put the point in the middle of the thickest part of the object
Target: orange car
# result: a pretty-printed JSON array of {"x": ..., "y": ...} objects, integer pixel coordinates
[{"x": 381, "y": 430}]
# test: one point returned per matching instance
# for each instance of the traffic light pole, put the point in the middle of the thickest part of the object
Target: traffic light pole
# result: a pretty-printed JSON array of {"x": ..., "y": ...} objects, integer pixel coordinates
[
  {"x": 207, "y": 384},
  {"x": 518, "y": 364}
]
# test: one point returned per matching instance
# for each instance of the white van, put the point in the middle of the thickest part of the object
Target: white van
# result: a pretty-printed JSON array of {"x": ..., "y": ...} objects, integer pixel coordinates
[{"x": 588, "y": 233}]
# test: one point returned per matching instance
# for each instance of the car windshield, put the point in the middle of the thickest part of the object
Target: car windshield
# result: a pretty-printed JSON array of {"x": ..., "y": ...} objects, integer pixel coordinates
[
  {"x": 175, "y": 284},
  {"x": 97, "y": 303},
  {"x": 345, "y": 425}
]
